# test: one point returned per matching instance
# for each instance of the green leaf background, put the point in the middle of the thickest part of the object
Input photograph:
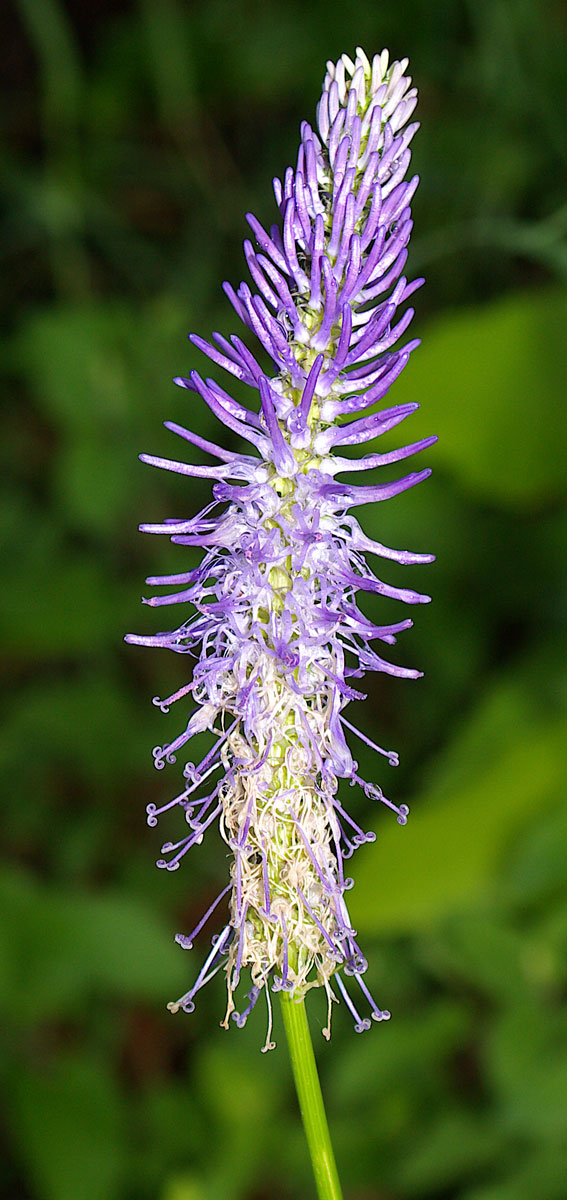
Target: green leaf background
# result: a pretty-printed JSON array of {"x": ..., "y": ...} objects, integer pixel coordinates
[{"x": 143, "y": 134}]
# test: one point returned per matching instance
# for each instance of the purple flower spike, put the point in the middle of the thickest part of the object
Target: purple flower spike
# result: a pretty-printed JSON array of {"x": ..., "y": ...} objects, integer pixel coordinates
[{"x": 274, "y": 631}]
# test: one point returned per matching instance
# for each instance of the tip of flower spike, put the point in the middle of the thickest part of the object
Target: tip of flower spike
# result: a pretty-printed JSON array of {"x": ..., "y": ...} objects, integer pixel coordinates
[{"x": 363, "y": 58}]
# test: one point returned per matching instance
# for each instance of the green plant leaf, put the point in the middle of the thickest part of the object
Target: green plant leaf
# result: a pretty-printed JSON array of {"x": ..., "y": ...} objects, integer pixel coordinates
[
  {"x": 184, "y": 1187},
  {"x": 66, "y": 1119},
  {"x": 63, "y": 946},
  {"x": 490, "y": 382},
  {"x": 504, "y": 765}
]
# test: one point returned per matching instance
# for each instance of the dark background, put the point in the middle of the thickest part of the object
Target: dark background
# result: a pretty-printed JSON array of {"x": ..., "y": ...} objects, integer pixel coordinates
[{"x": 136, "y": 135}]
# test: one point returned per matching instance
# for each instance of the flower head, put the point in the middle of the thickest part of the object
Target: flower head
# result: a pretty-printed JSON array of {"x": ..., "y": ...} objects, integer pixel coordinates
[{"x": 276, "y": 634}]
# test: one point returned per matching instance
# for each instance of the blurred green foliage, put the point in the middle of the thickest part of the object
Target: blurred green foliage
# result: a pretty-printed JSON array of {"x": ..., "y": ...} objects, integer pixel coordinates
[{"x": 136, "y": 135}]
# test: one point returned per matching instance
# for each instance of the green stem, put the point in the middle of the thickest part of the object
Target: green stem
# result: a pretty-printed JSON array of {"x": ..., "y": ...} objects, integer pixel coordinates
[{"x": 310, "y": 1099}]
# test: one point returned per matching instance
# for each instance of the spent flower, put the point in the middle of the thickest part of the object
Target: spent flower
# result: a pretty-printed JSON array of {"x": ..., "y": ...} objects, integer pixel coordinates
[{"x": 276, "y": 634}]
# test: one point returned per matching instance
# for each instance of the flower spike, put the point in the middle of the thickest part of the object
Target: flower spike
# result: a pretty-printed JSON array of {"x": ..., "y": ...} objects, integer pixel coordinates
[{"x": 274, "y": 630}]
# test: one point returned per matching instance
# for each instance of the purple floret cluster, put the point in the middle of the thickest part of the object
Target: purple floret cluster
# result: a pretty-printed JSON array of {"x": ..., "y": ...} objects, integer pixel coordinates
[{"x": 275, "y": 633}]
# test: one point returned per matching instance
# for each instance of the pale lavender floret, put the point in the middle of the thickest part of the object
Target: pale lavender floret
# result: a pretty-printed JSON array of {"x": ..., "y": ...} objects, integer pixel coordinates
[{"x": 276, "y": 632}]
